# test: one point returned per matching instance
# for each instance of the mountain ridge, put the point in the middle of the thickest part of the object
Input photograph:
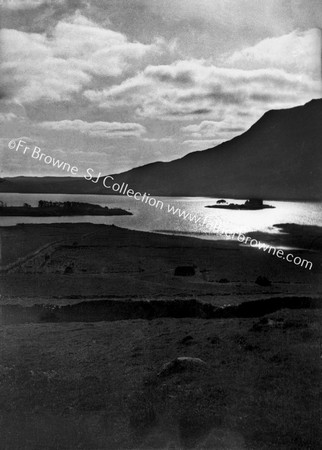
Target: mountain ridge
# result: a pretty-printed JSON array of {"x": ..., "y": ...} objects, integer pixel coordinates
[{"x": 278, "y": 157}]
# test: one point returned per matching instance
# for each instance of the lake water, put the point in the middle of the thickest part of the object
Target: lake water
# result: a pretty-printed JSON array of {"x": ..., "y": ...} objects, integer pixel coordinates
[{"x": 150, "y": 218}]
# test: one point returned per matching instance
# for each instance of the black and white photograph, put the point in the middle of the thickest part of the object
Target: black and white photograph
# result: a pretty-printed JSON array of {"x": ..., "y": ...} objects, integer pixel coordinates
[{"x": 160, "y": 224}]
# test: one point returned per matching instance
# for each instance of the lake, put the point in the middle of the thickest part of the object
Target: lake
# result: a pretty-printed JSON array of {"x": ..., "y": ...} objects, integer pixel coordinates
[{"x": 150, "y": 218}]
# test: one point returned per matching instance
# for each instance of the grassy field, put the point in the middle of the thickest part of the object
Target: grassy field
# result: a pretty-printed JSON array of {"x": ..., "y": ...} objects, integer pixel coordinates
[
  {"x": 96, "y": 385},
  {"x": 101, "y": 385}
]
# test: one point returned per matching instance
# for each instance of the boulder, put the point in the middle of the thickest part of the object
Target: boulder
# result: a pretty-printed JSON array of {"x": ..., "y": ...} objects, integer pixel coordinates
[
  {"x": 223, "y": 280},
  {"x": 266, "y": 323},
  {"x": 181, "y": 364},
  {"x": 68, "y": 270}
]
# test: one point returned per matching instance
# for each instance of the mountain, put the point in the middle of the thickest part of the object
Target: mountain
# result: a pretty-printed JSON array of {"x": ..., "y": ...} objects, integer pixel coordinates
[{"x": 279, "y": 157}]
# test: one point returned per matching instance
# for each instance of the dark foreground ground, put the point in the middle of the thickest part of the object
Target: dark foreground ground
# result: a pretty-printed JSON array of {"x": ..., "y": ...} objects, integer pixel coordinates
[
  {"x": 82, "y": 383},
  {"x": 96, "y": 385}
]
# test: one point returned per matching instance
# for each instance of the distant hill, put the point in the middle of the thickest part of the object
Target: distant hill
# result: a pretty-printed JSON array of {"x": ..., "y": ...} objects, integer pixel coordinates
[{"x": 279, "y": 157}]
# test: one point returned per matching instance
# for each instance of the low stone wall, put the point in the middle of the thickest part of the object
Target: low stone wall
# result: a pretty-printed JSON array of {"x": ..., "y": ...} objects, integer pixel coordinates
[{"x": 35, "y": 256}]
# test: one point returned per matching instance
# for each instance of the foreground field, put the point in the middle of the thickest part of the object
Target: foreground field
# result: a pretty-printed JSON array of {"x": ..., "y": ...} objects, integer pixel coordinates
[
  {"x": 90, "y": 316},
  {"x": 96, "y": 385}
]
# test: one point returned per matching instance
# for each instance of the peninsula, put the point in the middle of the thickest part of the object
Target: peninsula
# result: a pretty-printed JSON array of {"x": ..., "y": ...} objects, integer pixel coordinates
[{"x": 58, "y": 209}]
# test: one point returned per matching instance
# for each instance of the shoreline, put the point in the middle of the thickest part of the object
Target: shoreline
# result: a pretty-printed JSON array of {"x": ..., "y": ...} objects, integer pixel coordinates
[
  {"x": 289, "y": 236},
  {"x": 105, "y": 260}
]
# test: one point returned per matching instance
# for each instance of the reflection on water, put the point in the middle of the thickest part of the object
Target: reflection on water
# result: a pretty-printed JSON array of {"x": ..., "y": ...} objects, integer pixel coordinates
[{"x": 148, "y": 218}]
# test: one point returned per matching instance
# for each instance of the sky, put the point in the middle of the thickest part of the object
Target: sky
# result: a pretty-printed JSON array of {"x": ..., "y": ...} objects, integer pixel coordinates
[{"x": 115, "y": 84}]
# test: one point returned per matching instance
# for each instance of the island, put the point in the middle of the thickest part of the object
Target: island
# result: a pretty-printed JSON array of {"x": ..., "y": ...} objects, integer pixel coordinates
[
  {"x": 252, "y": 204},
  {"x": 58, "y": 209}
]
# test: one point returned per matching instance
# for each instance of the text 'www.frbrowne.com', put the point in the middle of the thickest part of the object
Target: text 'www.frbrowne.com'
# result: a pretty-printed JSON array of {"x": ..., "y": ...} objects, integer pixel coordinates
[{"x": 240, "y": 237}]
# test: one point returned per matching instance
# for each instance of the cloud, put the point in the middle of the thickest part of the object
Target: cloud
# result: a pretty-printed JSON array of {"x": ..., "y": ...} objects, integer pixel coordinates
[
  {"x": 202, "y": 144},
  {"x": 297, "y": 52},
  {"x": 180, "y": 74},
  {"x": 7, "y": 117},
  {"x": 276, "y": 73},
  {"x": 217, "y": 130},
  {"x": 60, "y": 64},
  {"x": 228, "y": 12},
  {"x": 204, "y": 129},
  {"x": 159, "y": 140},
  {"x": 11, "y": 161},
  {"x": 198, "y": 89},
  {"x": 26, "y": 4},
  {"x": 241, "y": 16},
  {"x": 96, "y": 129}
]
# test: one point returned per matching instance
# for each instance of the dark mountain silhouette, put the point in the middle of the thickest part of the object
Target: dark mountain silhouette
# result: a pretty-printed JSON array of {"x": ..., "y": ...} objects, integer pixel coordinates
[{"x": 279, "y": 157}]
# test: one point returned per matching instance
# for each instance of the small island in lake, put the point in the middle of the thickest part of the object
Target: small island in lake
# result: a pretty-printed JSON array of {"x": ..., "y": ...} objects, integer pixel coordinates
[
  {"x": 252, "y": 204},
  {"x": 57, "y": 209}
]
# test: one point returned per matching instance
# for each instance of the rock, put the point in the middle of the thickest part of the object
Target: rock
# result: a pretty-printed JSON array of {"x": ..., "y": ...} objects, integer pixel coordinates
[
  {"x": 186, "y": 340},
  {"x": 181, "y": 364},
  {"x": 68, "y": 270},
  {"x": 263, "y": 281},
  {"x": 266, "y": 323},
  {"x": 223, "y": 280}
]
